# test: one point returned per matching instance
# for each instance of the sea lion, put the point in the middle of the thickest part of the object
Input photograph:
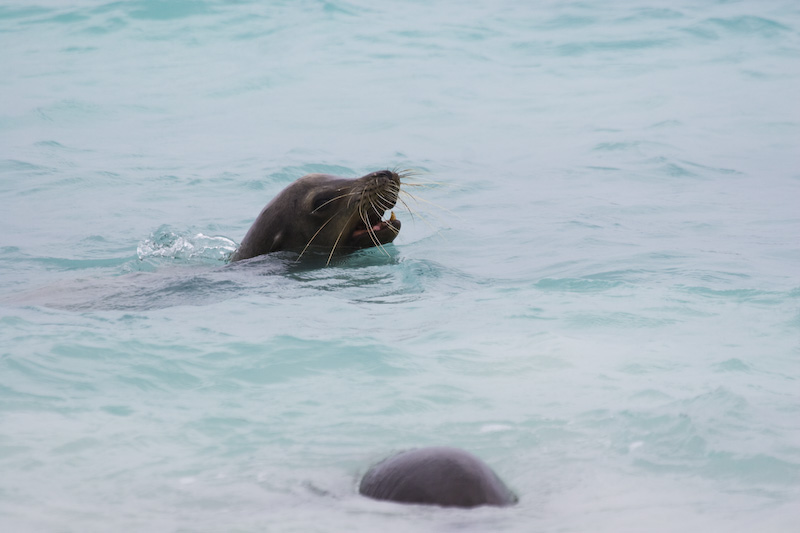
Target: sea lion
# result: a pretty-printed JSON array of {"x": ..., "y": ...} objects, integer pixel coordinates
[
  {"x": 444, "y": 476},
  {"x": 327, "y": 214}
]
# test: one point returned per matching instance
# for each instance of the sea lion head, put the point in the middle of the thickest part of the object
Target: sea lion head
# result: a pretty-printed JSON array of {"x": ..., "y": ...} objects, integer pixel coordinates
[
  {"x": 326, "y": 214},
  {"x": 445, "y": 476}
]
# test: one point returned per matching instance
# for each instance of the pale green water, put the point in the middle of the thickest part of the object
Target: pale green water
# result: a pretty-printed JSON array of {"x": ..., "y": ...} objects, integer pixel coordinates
[{"x": 600, "y": 298}]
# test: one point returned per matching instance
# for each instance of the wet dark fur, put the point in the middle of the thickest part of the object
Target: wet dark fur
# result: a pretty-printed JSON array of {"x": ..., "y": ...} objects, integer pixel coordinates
[{"x": 449, "y": 477}]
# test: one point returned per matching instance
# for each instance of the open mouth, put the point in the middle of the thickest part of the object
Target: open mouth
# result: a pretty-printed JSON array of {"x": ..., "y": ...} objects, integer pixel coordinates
[{"x": 384, "y": 231}]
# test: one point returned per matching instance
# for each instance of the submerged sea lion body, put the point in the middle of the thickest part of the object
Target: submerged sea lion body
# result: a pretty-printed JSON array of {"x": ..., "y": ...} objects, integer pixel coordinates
[
  {"x": 449, "y": 477},
  {"x": 327, "y": 214}
]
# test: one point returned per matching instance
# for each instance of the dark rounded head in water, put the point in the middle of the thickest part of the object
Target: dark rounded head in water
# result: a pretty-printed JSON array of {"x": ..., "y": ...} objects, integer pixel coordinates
[
  {"x": 326, "y": 214},
  {"x": 449, "y": 477}
]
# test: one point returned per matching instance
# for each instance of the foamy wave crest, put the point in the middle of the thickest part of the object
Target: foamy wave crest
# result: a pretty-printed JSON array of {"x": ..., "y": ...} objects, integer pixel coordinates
[{"x": 166, "y": 243}]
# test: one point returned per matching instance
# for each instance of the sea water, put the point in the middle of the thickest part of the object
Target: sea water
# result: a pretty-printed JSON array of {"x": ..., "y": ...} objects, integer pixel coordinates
[{"x": 596, "y": 289}]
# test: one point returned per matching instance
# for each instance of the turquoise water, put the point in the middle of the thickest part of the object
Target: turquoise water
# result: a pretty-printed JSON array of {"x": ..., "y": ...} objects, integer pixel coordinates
[{"x": 598, "y": 292}]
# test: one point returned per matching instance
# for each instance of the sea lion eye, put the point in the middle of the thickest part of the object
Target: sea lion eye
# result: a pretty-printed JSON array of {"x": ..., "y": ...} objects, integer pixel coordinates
[{"x": 321, "y": 202}]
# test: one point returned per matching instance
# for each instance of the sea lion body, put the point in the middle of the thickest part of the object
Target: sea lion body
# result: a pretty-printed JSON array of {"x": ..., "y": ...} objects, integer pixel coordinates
[
  {"x": 327, "y": 214},
  {"x": 443, "y": 476}
]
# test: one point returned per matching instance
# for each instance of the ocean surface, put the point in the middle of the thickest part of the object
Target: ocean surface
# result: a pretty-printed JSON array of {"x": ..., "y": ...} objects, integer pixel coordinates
[{"x": 596, "y": 288}]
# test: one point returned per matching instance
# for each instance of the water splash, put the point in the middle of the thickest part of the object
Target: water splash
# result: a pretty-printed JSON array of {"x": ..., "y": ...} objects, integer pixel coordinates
[{"x": 165, "y": 243}]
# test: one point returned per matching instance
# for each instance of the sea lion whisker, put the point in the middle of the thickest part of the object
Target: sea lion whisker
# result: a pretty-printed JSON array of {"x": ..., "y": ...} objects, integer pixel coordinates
[
  {"x": 385, "y": 203},
  {"x": 393, "y": 229},
  {"x": 334, "y": 199},
  {"x": 362, "y": 211},
  {"x": 418, "y": 179},
  {"x": 417, "y": 176},
  {"x": 389, "y": 202},
  {"x": 430, "y": 203},
  {"x": 381, "y": 206},
  {"x": 368, "y": 225},
  {"x": 371, "y": 233},
  {"x": 396, "y": 170},
  {"x": 365, "y": 218},
  {"x": 408, "y": 207},
  {"x": 377, "y": 211},
  {"x": 427, "y": 184},
  {"x": 418, "y": 213},
  {"x": 336, "y": 242},
  {"x": 317, "y": 233},
  {"x": 421, "y": 182},
  {"x": 425, "y": 220},
  {"x": 406, "y": 171},
  {"x": 362, "y": 200}
]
